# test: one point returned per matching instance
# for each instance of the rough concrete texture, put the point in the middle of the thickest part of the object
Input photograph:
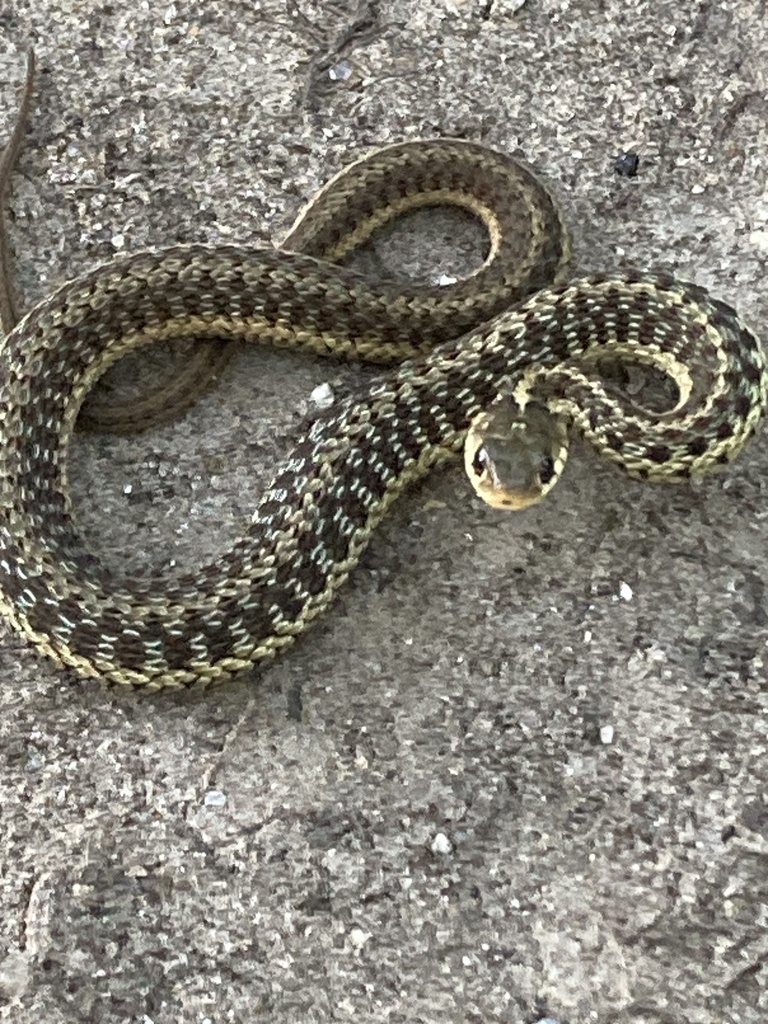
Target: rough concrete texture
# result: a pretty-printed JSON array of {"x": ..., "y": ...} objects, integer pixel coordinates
[{"x": 418, "y": 815}]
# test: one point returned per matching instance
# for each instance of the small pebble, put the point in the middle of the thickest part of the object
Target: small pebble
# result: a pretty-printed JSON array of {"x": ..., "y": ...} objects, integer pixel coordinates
[
  {"x": 358, "y": 938},
  {"x": 441, "y": 844},
  {"x": 322, "y": 396},
  {"x": 340, "y": 72},
  {"x": 626, "y": 165}
]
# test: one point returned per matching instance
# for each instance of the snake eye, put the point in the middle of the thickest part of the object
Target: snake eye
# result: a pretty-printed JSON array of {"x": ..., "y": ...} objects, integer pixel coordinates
[
  {"x": 546, "y": 469},
  {"x": 480, "y": 461}
]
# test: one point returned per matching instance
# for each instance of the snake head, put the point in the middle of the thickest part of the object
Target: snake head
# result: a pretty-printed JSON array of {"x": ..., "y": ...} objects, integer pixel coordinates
[{"x": 514, "y": 454}]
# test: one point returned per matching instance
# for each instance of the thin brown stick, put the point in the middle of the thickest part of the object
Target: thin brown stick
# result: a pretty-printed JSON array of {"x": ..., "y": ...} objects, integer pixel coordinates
[{"x": 9, "y": 302}]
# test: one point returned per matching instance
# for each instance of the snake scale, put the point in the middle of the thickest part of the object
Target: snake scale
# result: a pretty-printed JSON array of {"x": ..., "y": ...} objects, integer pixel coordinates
[{"x": 516, "y": 327}]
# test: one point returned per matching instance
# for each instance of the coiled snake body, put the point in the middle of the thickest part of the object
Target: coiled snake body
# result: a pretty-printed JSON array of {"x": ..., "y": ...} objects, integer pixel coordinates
[{"x": 506, "y": 327}]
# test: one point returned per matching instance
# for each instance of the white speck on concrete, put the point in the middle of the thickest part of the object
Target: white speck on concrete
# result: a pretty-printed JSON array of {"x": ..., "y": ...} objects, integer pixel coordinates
[
  {"x": 322, "y": 396},
  {"x": 441, "y": 844}
]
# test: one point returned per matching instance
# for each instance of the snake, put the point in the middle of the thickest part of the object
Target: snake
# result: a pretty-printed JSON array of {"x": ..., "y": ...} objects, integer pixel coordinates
[{"x": 502, "y": 366}]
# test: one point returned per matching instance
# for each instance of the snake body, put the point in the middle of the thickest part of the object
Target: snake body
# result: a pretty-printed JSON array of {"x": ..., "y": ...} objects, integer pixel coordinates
[{"x": 513, "y": 324}]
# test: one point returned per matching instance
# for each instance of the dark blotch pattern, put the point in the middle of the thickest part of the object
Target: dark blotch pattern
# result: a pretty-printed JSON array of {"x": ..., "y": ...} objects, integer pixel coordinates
[{"x": 658, "y": 453}]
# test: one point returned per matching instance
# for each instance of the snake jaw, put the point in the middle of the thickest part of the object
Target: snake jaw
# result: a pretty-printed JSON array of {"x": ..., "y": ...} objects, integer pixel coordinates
[{"x": 514, "y": 454}]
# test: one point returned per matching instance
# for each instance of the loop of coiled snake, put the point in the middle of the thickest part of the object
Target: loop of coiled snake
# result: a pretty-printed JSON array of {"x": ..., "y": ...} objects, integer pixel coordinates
[{"x": 513, "y": 327}]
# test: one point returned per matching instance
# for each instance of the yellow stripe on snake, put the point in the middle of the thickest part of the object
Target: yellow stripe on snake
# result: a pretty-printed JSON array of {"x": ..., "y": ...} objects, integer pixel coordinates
[{"x": 514, "y": 328}]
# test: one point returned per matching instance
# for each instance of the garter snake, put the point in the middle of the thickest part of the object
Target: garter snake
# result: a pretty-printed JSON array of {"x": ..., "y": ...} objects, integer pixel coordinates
[{"x": 515, "y": 328}]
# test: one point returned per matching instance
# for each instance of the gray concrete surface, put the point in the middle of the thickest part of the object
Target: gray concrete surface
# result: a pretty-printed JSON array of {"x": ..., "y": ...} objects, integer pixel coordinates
[{"x": 412, "y": 817}]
